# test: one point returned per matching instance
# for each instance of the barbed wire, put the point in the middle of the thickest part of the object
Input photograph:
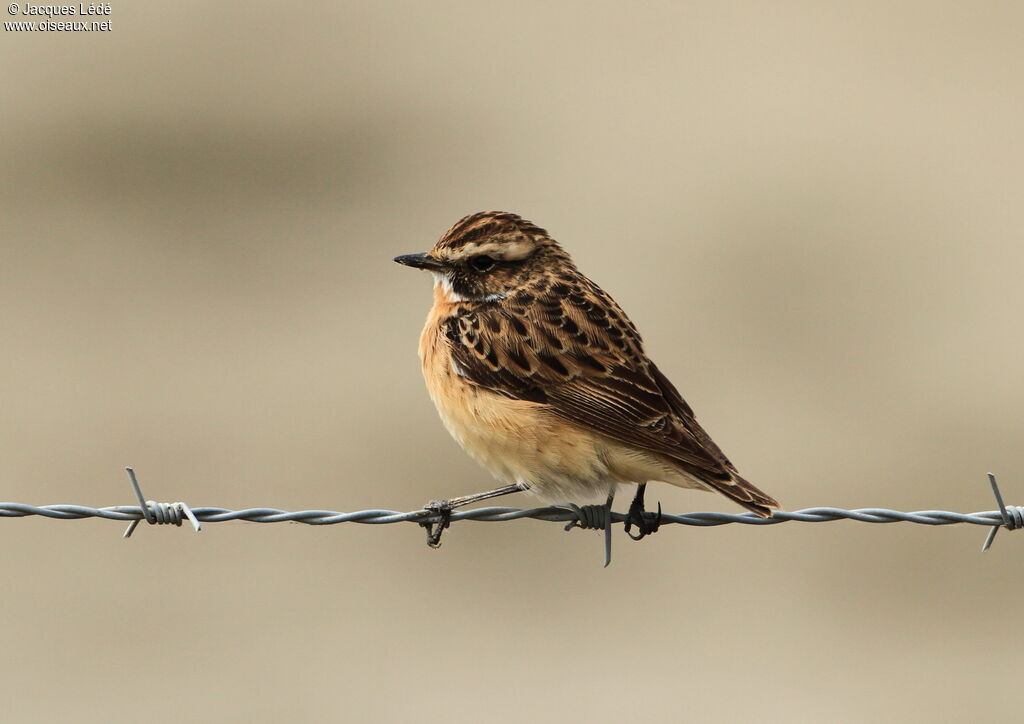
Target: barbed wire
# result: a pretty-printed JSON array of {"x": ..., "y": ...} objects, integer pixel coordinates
[{"x": 596, "y": 517}]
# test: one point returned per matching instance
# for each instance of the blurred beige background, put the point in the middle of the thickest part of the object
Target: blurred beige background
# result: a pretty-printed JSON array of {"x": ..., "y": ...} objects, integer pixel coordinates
[{"x": 813, "y": 212}]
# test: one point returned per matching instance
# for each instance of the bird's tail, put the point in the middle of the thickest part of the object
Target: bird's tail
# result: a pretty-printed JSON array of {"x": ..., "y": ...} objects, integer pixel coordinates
[{"x": 736, "y": 488}]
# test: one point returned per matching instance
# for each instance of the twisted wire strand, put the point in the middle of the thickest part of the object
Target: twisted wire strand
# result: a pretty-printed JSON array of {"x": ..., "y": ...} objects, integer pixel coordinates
[
  {"x": 591, "y": 517},
  {"x": 500, "y": 515}
]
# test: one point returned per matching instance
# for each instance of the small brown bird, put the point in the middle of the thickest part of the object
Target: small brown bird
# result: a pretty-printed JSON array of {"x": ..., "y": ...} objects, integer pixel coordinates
[{"x": 543, "y": 379}]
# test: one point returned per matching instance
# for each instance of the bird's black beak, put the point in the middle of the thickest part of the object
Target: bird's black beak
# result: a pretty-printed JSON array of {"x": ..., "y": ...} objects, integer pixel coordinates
[{"x": 420, "y": 261}]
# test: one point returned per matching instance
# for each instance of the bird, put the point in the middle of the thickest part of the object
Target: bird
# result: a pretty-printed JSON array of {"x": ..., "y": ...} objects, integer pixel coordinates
[{"x": 542, "y": 378}]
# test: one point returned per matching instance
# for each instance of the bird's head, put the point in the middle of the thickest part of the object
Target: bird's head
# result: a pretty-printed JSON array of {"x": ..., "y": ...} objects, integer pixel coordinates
[{"x": 490, "y": 255}]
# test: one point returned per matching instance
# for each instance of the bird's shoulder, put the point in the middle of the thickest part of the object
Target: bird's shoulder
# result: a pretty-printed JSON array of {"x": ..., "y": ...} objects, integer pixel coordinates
[{"x": 551, "y": 332}]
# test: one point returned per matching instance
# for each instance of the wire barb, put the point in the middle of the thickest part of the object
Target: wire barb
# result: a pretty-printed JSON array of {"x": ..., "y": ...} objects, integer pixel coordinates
[
  {"x": 1012, "y": 515},
  {"x": 595, "y": 517},
  {"x": 159, "y": 513},
  {"x": 588, "y": 517}
]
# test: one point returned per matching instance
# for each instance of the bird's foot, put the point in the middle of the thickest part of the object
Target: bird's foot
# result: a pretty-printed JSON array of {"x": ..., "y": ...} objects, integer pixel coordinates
[
  {"x": 443, "y": 509},
  {"x": 645, "y": 522}
]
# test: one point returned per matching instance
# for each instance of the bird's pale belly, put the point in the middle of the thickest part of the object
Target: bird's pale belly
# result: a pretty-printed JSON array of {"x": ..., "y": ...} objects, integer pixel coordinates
[{"x": 521, "y": 444}]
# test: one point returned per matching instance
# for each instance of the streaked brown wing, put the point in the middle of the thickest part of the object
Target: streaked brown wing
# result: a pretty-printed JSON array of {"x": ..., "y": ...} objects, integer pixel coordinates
[{"x": 576, "y": 352}]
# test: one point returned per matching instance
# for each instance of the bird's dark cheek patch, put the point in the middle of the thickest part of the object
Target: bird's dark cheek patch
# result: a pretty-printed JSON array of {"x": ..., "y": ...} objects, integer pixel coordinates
[{"x": 462, "y": 286}]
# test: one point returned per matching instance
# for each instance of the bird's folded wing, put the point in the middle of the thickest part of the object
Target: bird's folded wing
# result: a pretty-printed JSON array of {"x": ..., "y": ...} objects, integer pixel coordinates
[{"x": 581, "y": 357}]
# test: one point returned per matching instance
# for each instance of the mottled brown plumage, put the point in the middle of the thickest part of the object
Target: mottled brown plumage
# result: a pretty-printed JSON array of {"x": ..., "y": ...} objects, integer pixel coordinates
[{"x": 542, "y": 377}]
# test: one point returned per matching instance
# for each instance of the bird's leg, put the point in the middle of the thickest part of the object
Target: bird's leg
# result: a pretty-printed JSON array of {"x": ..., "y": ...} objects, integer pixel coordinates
[
  {"x": 645, "y": 522},
  {"x": 608, "y": 528},
  {"x": 444, "y": 508}
]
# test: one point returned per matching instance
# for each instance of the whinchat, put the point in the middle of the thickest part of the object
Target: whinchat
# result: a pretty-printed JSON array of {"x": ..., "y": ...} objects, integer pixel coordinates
[{"x": 542, "y": 378}]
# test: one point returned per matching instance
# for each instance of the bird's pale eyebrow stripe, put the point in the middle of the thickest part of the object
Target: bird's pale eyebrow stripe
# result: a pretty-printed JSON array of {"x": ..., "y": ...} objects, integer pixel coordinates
[{"x": 503, "y": 250}]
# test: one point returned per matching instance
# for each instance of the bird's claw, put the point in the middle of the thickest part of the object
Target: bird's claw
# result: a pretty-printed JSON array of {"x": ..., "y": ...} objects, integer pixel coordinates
[
  {"x": 645, "y": 522},
  {"x": 443, "y": 509}
]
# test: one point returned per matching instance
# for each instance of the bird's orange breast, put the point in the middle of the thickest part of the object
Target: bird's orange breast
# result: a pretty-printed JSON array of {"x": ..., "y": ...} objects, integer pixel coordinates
[{"x": 488, "y": 425}]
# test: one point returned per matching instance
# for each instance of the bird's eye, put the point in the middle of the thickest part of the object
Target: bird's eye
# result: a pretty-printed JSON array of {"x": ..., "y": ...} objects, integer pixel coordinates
[{"x": 481, "y": 263}]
